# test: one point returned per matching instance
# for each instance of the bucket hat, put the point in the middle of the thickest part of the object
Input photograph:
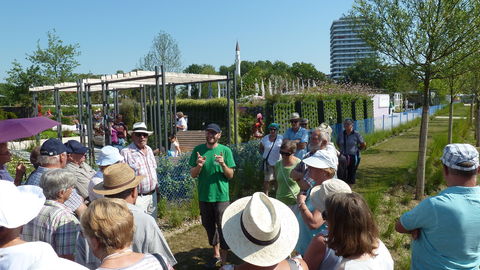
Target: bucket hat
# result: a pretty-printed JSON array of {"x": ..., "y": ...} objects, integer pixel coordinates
[
  {"x": 19, "y": 205},
  {"x": 117, "y": 178},
  {"x": 322, "y": 159},
  {"x": 140, "y": 127},
  {"x": 109, "y": 155},
  {"x": 260, "y": 230},
  {"x": 320, "y": 193}
]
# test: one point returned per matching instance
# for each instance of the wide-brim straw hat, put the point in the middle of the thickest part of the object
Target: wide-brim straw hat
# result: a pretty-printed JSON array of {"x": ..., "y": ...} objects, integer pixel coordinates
[
  {"x": 140, "y": 127},
  {"x": 260, "y": 230},
  {"x": 117, "y": 178},
  {"x": 320, "y": 193},
  {"x": 19, "y": 205}
]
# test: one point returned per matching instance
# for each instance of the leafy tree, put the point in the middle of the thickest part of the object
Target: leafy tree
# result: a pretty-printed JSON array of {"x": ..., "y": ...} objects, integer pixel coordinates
[
  {"x": 306, "y": 71},
  {"x": 164, "y": 51},
  {"x": 420, "y": 35},
  {"x": 57, "y": 61},
  {"x": 370, "y": 71}
]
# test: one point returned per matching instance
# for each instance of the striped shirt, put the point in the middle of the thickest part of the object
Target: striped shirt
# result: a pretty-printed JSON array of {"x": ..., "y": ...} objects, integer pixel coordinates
[
  {"x": 142, "y": 165},
  {"x": 56, "y": 225}
]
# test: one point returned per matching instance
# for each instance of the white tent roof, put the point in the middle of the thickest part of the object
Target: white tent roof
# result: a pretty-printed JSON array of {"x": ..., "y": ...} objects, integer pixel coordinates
[{"x": 134, "y": 79}]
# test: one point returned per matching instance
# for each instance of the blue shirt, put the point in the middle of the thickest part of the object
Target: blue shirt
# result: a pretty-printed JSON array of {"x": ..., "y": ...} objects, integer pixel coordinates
[
  {"x": 35, "y": 176},
  {"x": 353, "y": 140},
  {"x": 4, "y": 175},
  {"x": 302, "y": 135},
  {"x": 449, "y": 226}
]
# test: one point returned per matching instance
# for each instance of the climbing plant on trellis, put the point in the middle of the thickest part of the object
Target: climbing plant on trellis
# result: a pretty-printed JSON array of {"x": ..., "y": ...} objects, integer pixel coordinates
[
  {"x": 281, "y": 115},
  {"x": 346, "y": 107},
  {"x": 370, "y": 108},
  {"x": 309, "y": 111},
  {"x": 359, "y": 115},
  {"x": 330, "y": 111}
]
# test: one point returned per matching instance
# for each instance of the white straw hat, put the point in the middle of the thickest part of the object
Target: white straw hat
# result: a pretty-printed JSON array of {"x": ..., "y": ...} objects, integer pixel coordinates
[
  {"x": 19, "y": 205},
  {"x": 260, "y": 230},
  {"x": 329, "y": 187},
  {"x": 140, "y": 127}
]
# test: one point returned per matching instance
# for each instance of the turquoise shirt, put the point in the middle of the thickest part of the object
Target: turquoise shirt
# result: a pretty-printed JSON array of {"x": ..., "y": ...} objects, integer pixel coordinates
[{"x": 449, "y": 226}]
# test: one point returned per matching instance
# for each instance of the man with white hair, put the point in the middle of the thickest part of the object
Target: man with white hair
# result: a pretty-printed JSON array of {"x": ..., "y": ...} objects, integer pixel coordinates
[
  {"x": 5, "y": 157},
  {"x": 445, "y": 227},
  {"x": 53, "y": 155},
  {"x": 55, "y": 224}
]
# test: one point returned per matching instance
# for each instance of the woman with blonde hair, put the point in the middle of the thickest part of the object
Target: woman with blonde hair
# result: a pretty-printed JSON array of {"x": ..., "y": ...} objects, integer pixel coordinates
[{"x": 108, "y": 226}]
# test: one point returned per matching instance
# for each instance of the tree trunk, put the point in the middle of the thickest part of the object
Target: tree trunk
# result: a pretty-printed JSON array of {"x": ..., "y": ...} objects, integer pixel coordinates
[
  {"x": 450, "y": 118},
  {"x": 422, "y": 145},
  {"x": 477, "y": 125},
  {"x": 472, "y": 103}
]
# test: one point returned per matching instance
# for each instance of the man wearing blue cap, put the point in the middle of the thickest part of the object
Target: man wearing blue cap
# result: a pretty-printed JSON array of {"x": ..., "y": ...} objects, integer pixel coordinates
[
  {"x": 53, "y": 155},
  {"x": 76, "y": 164},
  {"x": 213, "y": 165},
  {"x": 445, "y": 227}
]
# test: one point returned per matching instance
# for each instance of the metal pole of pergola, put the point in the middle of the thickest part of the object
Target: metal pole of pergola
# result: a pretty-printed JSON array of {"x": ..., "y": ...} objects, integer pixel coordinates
[
  {"x": 58, "y": 109},
  {"x": 165, "y": 123},
  {"x": 229, "y": 132}
]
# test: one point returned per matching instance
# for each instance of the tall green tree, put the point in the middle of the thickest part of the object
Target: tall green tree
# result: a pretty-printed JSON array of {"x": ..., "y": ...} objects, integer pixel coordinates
[
  {"x": 57, "y": 61},
  {"x": 420, "y": 35},
  {"x": 164, "y": 51}
]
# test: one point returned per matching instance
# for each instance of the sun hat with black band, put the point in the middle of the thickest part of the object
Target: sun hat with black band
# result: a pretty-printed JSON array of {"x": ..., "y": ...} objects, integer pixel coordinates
[
  {"x": 260, "y": 230},
  {"x": 140, "y": 127},
  {"x": 52, "y": 147},
  {"x": 295, "y": 116},
  {"x": 117, "y": 178},
  {"x": 19, "y": 205}
]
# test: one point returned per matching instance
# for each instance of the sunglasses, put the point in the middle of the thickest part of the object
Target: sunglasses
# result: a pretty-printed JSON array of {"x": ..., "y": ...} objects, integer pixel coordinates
[
  {"x": 274, "y": 129},
  {"x": 293, "y": 121},
  {"x": 141, "y": 134},
  {"x": 285, "y": 153}
]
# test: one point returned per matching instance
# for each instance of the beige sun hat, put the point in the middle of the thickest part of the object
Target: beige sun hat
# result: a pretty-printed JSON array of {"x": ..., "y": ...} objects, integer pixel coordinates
[
  {"x": 329, "y": 187},
  {"x": 19, "y": 205},
  {"x": 140, "y": 127},
  {"x": 295, "y": 116},
  {"x": 260, "y": 230},
  {"x": 117, "y": 178}
]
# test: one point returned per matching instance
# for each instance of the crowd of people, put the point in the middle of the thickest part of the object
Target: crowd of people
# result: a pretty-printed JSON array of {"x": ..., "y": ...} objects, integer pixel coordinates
[{"x": 69, "y": 216}]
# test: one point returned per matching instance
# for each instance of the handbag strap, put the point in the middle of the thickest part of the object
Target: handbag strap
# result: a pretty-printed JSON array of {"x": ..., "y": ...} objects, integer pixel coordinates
[
  {"x": 273, "y": 144},
  {"x": 161, "y": 260}
]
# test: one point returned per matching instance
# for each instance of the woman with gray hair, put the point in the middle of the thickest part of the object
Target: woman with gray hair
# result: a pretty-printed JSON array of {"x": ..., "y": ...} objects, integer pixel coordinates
[{"x": 55, "y": 224}]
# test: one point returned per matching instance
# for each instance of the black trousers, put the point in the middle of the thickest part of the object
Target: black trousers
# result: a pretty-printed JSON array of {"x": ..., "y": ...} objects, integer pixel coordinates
[{"x": 212, "y": 213}]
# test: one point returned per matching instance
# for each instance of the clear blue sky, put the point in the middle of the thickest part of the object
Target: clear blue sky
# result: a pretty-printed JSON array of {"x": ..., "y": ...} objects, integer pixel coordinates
[{"x": 113, "y": 35}]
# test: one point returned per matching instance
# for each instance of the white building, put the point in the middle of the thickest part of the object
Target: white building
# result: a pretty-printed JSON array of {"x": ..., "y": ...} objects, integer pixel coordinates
[{"x": 345, "y": 47}]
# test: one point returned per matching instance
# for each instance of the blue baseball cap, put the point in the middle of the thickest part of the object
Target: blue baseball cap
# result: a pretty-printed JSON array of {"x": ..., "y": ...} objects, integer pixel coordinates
[
  {"x": 214, "y": 127},
  {"x": 75, "y": 147},
  {"x": 52, "y": 147}
]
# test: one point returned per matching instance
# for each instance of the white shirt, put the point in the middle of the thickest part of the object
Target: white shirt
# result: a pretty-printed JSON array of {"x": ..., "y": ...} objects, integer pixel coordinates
[
  {"x": 173, "y": 148},
  {"x": 33, "y": 255},
  {"x": 182, "y": 122},
  {"x": 383, "y": 261},
  {"x": 275, "y": 154}
]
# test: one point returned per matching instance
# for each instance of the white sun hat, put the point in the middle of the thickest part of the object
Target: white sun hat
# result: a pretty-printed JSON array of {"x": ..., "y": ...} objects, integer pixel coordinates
[
  {"x": 109, "y": 155},
  {"x": 322, "y": 159},
  {"x": 140, "y": 127},
  {"x": 320, "y": 193},
  {"x": 260, "y": 230},
  {"x": 19, "y": 205}
]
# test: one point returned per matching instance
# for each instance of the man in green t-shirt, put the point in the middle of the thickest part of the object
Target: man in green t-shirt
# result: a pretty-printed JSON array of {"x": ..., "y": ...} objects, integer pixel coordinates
[{"x": 213, "y": 165}]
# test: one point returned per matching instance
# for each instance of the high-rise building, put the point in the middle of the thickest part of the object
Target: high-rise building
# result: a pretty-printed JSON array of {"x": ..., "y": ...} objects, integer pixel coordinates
[{"x": 346, "y": 47}]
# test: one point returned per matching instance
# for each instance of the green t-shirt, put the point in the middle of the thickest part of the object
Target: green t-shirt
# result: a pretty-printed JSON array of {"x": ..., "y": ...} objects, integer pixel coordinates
[
  {"x": 212, "y": 183},
  {"x": 288, "y": 189}
]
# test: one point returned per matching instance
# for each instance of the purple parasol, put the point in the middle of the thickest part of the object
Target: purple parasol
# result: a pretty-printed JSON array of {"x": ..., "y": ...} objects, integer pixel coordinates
[{"x": 12, "y": 129}]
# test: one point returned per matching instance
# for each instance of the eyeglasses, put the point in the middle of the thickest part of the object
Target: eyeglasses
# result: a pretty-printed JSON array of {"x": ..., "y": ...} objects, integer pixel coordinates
[
  {"x": 285, "y": 153},
  {"x": 141, "y": 134},
  {"x": 273, "y": 129},
  {"x": 293, "y": 121}
]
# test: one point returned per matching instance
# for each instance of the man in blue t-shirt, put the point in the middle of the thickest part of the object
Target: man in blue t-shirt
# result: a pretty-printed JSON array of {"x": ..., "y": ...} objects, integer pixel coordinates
[
  {"x": 297, "y": 134},
  {"x": 445, "y": 228}
]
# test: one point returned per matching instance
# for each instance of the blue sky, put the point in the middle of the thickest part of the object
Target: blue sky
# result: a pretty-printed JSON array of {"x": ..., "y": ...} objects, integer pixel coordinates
[{"x": 114, "y": 35}]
